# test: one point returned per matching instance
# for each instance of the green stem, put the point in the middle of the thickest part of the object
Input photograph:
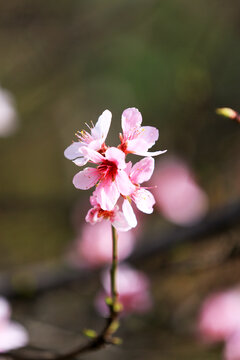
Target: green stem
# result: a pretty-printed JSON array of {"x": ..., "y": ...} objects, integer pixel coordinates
[{"x": 114, "y": 292}]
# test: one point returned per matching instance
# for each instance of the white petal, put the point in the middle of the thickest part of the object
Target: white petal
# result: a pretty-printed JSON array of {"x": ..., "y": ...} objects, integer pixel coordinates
[
  {"x": 92, "y": 155},
  {"x": 102, "y": 126},
  {"x": 81, "y": 161},
  {"x": 86, "y": 179},
  {"x": 120, "y": 222},
  {"x": 73, "y": 151},
  {"x": 150, "y": 153},
  {"x": 129, "y": 213},
  {"x": 131, "y": 120},
  {"x": 144, "y": 200}
]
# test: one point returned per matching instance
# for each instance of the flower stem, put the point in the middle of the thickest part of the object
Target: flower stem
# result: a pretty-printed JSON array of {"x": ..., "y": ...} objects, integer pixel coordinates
[{"x": 113, "y": 271}]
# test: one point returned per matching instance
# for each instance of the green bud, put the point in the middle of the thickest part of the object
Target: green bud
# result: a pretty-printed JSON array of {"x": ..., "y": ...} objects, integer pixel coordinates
[
  {"x": 227, "y": 112},
  {"x": 118, "y": 307},
  {"x": 117, "y": 341},
  {"x": 108, "y": 301},
  {"x": 90, "y": 333}
]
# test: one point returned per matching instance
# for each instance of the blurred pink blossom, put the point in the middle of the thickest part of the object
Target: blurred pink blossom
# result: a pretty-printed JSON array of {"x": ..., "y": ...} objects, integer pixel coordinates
[
  {"x": 232, "y": 347},
  {"x": 177, "y": 195},
  {"x": 8, "y": 114},
  {"x": 133, "y": 289},
  {"x": 12, "y": 335},
  {"x": 220, "y": 316},
  {"x": 94, "y": 245}
]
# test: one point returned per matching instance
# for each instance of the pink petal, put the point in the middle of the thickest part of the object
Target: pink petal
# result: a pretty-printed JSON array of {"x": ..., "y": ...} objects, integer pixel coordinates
[
  {"x": 92, "y": 155},
  {"x": 137, "y": 145},
  {"x": 128, "y": 168},
  {"x": 117, "y": 156},
  {"x": 144, "y": 200},
  {"x": 102, "y": 126},
  {"x": 140, "y": 147},
  {"x": 95, "y": 144},
  {"x": 73, "y": 151},
  {"x": 86, "y": 179},
  {"x": 93, "y": 199},
  {"x": 150, "y": 134},
  {"x": 131, "y": 120},
  {"x": 129, "y": 213},
  {"x": 92, "y": 215},
  {"x": 142, "y": 170},
  {"x": 107, "y": 194},
  {"x": 80, "y": 161},
  {"x": 124, "y": 184},
  {"x": 120, "y": 222}
]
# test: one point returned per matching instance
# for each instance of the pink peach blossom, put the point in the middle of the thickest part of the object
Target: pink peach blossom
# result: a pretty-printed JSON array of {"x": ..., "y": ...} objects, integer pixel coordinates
[
  {"x": 12, "y": 335},
  {"x": 220, "y": 316},
  {"x": 136, "y": 139},
  {"x": 144, "y": 200},
  {"x": 115, "y": 216},
  {"x": 110, "y": 175},
  {"x": 232, "y": 347},
  {"x": 95, "y": 140},
  {"x": 133, "y": 289},
  {"x": 177, "y": 195},
  {"x": 114, "y": 178},
  {"x": 94, "y": 245}
]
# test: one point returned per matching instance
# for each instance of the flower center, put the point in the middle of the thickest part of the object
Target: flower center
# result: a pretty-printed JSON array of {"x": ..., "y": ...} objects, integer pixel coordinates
[
  {"x": 105, "y": 214},
  {"x": 84, "y": 137},
  {"x": 108, "y": 170}
]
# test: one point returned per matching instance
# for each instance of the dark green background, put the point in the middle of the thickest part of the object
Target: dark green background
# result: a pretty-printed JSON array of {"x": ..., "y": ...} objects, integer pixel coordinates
[{"x": 66, "y": 62}]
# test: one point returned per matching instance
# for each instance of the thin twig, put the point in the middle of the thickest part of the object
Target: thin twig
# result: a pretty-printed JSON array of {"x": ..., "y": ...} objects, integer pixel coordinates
[{"x": 97, "y": 342}]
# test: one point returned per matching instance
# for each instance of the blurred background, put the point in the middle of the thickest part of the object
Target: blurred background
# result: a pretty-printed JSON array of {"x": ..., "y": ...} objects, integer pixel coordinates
[{"x": 62, "y": 63}]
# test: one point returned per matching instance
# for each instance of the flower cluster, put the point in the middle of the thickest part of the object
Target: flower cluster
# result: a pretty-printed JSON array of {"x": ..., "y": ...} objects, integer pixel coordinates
[{"x": 115, "y": 179}]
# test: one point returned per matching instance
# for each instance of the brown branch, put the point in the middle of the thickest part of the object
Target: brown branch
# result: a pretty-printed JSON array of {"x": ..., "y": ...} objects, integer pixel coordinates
[
  {"x": 104, "y": 338},
  {"x": 46, "y": 277}
]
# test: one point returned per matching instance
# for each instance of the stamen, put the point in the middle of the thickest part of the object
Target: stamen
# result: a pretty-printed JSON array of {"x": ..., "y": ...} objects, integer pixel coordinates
[{"x": 88, "y": 126}]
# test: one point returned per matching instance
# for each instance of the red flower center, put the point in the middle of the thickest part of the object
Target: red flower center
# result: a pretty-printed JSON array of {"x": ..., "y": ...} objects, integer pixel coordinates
[
  {"x": 108, "y": 170},
  {"x": 105, "y": 214}
]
